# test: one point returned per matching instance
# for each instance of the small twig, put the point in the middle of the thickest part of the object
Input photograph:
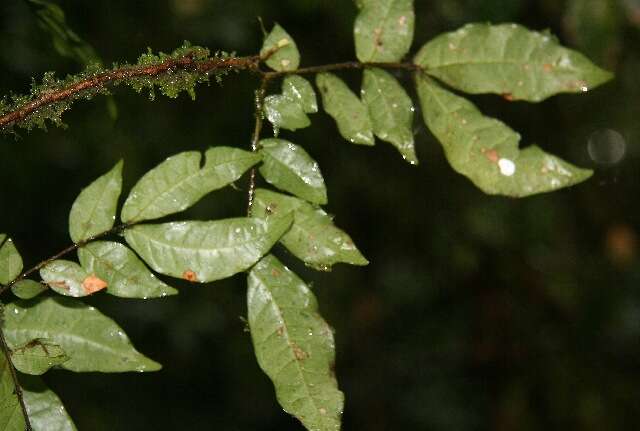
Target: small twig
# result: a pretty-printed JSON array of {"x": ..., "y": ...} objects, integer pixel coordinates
[
  {"x": 14, "y": 376},
  {"x": 344, "y": 66},
  {"x": 255, "y": 138},
  {"x": 62, "y": 253}
]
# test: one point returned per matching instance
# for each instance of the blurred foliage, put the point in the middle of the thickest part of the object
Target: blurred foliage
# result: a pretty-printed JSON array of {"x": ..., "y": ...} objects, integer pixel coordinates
[{"x": 476, "y": 312}]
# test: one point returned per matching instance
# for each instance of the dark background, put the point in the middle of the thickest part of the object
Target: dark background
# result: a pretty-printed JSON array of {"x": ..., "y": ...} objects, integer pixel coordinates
[{"x": 476, "y": 312}]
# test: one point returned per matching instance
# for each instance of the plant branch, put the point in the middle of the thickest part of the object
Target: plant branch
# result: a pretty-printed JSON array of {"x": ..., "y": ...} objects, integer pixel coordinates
[
  {"x": 344, "y": 66},
  {"x": 255, "y": 138},
  {"x": 14, "y": 376},
  {"x": 188, "y": 63},
  {"x": 62, "y": 253}
]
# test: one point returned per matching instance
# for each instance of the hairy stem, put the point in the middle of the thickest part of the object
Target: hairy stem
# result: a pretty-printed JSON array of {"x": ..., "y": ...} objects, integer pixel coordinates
[
  {"x": 255, "y": 138},
  {"x": 16, "y": 384},
  {"x": 117, "y": 75},
  {"x": 62, "y": 253}
]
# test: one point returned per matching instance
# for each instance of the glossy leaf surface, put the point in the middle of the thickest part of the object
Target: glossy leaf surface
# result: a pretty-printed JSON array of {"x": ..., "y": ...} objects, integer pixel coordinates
[
  {"x": 285, "y": 55},
  {"x": 27, "y": 289},
  {"x": 70, "y": 279},
  {"x": 206, "y": 251},
  {"x": 92, "y": 341},
  {"x": 510, "y": 60},
  {"x": 297, "y": 88},
  {"x": 294, "y": 345},
  {"x": 350, "y": 114},
  {"x": 94, "y": 210},
  {"x": 289, "y": 167},
  {"x": 383, "y": 30},
  {"x": 486, "y": 151},
  {"x": 125, "y": 274},
  {"x": 313, "y": 238},
  {"x": 11, "y": 414},
  {"x": 10, "y": 260},
  {"x": 391, "y": 111},
  {"x": 37, "y": 356},
  {"x": 46, "y": 412},
  {"x": 179, "y": 182},
  {"x": 285, "y": 113}
]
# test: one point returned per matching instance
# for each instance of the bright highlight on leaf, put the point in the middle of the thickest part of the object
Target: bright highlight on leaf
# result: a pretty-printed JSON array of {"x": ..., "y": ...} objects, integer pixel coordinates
[
  {"x": 383, "y": 30},
  {"x": 123, "y": 272},
  {"x": 298, "y": 89},
  {"x": 179, "y": 182},
  {"x": 282, "y": 50},
  {"x": 92, "y": 341},
  {"x": 289, "y": 167},
  {"x": 37, "y": 356},
  {"x": 10, "y": 260},
  {"x": 510, "y": 60},
  {"x": 70, "y": 279},
  {"x": 391, "y": 111},
  {"x": 45, "y": 410},
  {"x": 313, "y": 238},
  {"x": 486, "y": 151},
  {"x": 350, "y": 114},
  {"x": 294, "y": 345},
  {"x": 94, "y": 210},
  {"x": 208, "y": 251},
  {"x": 285, "y": 113}
]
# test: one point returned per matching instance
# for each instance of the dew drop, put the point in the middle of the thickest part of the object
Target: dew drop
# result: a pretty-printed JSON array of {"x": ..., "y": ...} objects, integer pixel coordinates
[
  {"x": 606, "y": 147},
  {"x": 507, "y": 167}
]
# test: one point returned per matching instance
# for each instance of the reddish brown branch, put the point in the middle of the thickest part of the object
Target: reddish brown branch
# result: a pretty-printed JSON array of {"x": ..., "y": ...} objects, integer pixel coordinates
[{"x": 185, "y": 63}]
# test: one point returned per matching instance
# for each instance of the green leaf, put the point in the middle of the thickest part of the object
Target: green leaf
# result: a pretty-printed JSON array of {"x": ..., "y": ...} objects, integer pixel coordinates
[
  {"x": 383, "y": 30},
  {"x": 11, "y": 414},
  {"x": 510, "y": 60},
  {"x": 45, "y": 410},
  {"x": 289, "y": 167},
  {"x": 297, "y": 88},
  {"x": 313, "y": 238},
  {"x": 294, "y": 345},
  {"x": 65, "y": 41},
  {"x": 27, "y": 289},
  {"x": 486, "y": 151},
  {"x": 284, "y": 52},
  {"x": 10, "y": 260},
  {"x": 92, "y": 340},
  {"x": 37, "y": 356},
  {"x": 206, "y": 251},
  {"x": 123, "y": 271},
  {"x": 94, "y": 210},
  {"x": 285, "y": 113},
  {"x": 346, "y": 108},
  {"x": 70, "y": 279},
  {"x": 179, "y": 182},
  {"x": 391, "y": 111}
]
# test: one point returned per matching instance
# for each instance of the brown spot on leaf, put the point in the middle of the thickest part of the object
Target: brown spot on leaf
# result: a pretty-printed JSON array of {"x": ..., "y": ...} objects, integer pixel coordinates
[
  {"x": 189, "y": 275},
  {"x": 93, "y": 284},
  {"x": 491, "y": 155},
  {"x": 508, "y": 97},
  {"x": 280, "y": 331},
  {"x": 300, "y": 354},
  {"x": 270, "y": 209},
  {"x": 59, "y": 284},
  {"x": 547, "y": 67},
  {"x": 275, "y": 273}
]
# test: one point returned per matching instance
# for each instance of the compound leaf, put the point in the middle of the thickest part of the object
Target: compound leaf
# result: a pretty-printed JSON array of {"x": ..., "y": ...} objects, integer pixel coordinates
[
  {"x": 92, "y": 340},
  {"x": 206, "y": 251},
  {"x": 10, "y": 260},
  {"x": 282, "y": 50},
  {"x": 294, "y": 345},
  {"x": 27, "y": 289},
  {"x": 486, "y": 151},
  {"x": 179, "y": 182},
  {"x": 346, "y": 108},
  {"x": 11, "y": 414},
  {"x": 37, "y": 356},
  {"x": 391, "y": 111},
  {"x": 297, "y": 88},
  {"x": 285, "y": 113},
  {"x": 383, "y": 30},
  {"x": 46, "y": 411},
  {"x": 125, "y": 274},
  {"x": 70, "y": 279},
  {"x": 94, "y": 210},
  {"x": 510, "y": 60},
  {"x": 289, "y": 167},
  {"x": 313, "y": 238}
]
